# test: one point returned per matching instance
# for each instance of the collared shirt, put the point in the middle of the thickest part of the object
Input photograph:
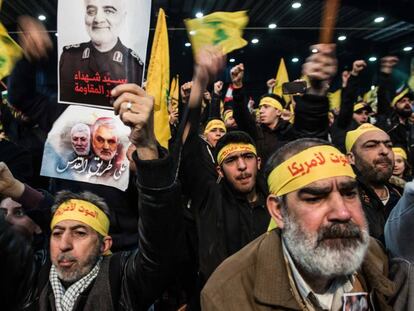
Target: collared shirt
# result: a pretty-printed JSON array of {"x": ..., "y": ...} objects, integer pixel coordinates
[{"x": 331, "y": 299}]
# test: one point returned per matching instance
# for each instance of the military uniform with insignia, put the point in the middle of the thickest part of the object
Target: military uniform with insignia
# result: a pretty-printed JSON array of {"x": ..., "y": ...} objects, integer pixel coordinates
[{"x": 87, "y": 75}]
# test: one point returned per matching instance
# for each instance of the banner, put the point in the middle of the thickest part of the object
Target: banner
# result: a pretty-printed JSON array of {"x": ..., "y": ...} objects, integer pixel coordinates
[
  {"x": 101, "y": 44},
  {"x": 88, "y": 145}
]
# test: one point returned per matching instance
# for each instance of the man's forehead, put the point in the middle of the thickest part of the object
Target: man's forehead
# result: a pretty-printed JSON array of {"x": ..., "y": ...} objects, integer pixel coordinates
[
  {"x": 117, "y": 4},
  {"x": 9, "y": 203},
  {"x": 71, "y": 224},
  {"x": 373, "y": 135},
  {"x": 331, "y": 182},
  {"x": 238, "y": 153}
]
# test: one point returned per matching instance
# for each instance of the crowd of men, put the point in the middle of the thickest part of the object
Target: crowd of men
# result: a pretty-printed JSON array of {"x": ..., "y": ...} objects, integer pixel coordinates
[{"x": 252, "y": 207}]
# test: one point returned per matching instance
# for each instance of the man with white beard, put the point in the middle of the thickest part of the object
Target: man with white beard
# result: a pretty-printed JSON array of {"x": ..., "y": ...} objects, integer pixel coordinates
[{"x": 320, "y": 256}]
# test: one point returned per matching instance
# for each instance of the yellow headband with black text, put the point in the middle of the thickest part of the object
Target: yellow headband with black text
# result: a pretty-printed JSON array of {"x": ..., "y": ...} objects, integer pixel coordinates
[{"x": 308, "y": 166}]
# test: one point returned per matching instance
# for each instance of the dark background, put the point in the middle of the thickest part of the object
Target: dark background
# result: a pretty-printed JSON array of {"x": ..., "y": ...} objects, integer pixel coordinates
[{"x": 296, "y": 30}]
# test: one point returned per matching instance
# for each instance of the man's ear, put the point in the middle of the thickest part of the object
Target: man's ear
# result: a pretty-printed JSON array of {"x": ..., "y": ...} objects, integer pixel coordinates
[
  {"x": 351, "y": 158},
  {"x": 106, "y": 245},
  {"x": 274, "y": 206},
  {"x": 219, "y": 171},
  {"x": 259, "y": 163}
]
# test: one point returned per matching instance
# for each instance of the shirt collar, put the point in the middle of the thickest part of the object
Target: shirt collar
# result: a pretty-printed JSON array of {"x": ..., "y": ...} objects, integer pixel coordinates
[{"x": 325, "y": 301}]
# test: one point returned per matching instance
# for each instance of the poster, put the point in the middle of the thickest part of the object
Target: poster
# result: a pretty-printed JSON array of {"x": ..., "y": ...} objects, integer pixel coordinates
[
  {"x": 101, "y": 44},
  {"x": 88, "y": 145}
]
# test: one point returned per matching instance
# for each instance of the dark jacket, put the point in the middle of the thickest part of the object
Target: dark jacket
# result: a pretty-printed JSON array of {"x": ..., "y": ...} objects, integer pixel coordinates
[
  {"x": 133, "y": 280},
  {"x": 401, "y": 134},
  {"x": 45, "y": 110},
  {"x": 77, "y": 60},
  {"x": 311, "y": 120},
  {"x": 344, "y": 122},
  {"x": 256, "y": 278},
  {"x": 375, "y": 211},
  {"x": 225, "y": 220}
]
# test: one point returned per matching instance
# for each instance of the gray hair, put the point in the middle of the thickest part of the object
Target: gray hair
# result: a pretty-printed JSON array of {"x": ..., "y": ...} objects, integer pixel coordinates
[
  {"x": 80, "y": 128},
  {"x": 66, "y": 195}
]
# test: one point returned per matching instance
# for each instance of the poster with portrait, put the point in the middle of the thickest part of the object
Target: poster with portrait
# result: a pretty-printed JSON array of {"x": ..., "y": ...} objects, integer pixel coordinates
[
  {"x": 88, "y": 145},
  {"x": 101, "y": 44}
]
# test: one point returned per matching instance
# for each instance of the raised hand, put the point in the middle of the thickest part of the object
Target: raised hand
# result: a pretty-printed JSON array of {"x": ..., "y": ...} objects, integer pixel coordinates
[
  {"x": 33, "y": 38},
  {"x": 135, "y": 109},
  {"x": 9, "y": 186}
]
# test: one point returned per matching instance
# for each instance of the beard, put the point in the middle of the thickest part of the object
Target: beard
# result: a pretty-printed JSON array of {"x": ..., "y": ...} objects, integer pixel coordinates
[
  {"x": 333, "y": 251},
  {"x": 405, "y": 112},
  {"x": 371, "y": 173},
  {"x": 75, "y": 273}
]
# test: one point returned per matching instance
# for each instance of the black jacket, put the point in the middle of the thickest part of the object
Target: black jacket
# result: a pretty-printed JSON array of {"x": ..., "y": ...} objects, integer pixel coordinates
[
  {"x": 225, "y": 221},
  {"x": 344, "y": 122},
  {"x": 133, "y": 280},
  {"x": 311, "y": 120},
  {"x": 375, "y": 211},
  {"x": 401, "y": 134}
]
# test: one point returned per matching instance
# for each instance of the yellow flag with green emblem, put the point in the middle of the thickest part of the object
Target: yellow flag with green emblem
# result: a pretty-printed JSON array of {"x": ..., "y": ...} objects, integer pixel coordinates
[
  {"x": 281, "y": 77},
  {"x": 174, "y": 93},
  {"x": 158, "y": 80},
  {"x": 224, "y": 29},
  {"x": 10, "y": 52}
]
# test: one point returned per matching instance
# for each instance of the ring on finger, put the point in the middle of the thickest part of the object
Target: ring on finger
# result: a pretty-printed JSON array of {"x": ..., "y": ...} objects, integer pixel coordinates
[{"x": 129, "y": 106}]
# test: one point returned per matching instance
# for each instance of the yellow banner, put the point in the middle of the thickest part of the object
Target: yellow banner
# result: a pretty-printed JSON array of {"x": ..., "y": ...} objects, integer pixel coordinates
[
  {"x": 158, "y": 80},
  {"x": 224, "y": 29}
]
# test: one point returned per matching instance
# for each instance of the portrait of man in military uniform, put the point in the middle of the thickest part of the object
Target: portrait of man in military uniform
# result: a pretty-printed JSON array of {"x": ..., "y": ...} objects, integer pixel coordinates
[{"x": 88, "y": 71}]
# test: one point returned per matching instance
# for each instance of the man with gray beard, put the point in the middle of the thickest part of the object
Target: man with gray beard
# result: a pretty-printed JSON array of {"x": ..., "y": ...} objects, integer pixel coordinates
[
  {"x": 369, "y": 149},
  {"x": 320, "y": 256}
]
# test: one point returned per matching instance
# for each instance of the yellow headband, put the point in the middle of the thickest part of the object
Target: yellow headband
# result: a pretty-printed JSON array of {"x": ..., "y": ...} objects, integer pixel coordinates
[
  {"x": 359, "y": 106},
  {"x": 227, "y": 114},
  {"x": 271, "y": 102},
  {"x": 306, "y": 167},
  {"x": 84, "y": 212},
  {"x": 400, "y": 151},
  {"x": 399, "y": 96},
  {"x": 352, "y": 136},
  {"x": 230, "y": 148},
  {"x": 214, "y": 124}
]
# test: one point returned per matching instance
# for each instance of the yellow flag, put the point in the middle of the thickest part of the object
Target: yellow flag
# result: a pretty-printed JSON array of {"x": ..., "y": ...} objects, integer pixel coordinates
[
  {"x": 335, "y": 99},
  {"x": 281, "y": 77},
  {"x": 158, "y": 79},
  {"x": 220, "y": 28},
  {"x": 10, "y": 52},
  {"x": 174, "y": 92}
]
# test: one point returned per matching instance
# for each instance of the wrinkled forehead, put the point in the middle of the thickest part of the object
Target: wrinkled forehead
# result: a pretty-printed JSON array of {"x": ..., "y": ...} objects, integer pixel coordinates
[
  {"x": 376, "y": 135},
  {"x": 119, "y": 5},
  {"x": 328, "y": 185}
]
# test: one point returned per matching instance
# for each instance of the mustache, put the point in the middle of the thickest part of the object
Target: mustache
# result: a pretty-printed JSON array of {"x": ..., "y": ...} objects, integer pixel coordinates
[
  {"x": 383, "y": 160},
  {"x": 340, "y": 231},
  {"x": 65, "y": 257},
  {"x": 244, "y": 175}
]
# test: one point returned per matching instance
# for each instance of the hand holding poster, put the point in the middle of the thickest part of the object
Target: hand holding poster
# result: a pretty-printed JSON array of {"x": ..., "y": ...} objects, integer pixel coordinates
[
  {"x": 88, "y": 145},
  {"x": 103, "y": 44}
]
